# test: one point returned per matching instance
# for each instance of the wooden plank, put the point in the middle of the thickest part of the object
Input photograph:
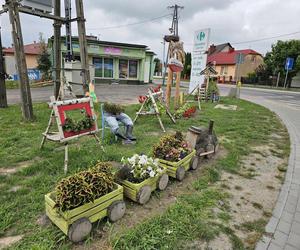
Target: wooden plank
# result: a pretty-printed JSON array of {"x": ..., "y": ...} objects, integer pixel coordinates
[
  {"x": 178, "y": 163},
  {"x": 207, "y": 153},
  {"x": 172, "y": 166},
  {"x": 57, "y": 219},
  {"x": 74, "y": 212},
  {"x": 131, "y": 189},
  {"x": 91, "y": 212},
  {"x": 85, "y": 207}
]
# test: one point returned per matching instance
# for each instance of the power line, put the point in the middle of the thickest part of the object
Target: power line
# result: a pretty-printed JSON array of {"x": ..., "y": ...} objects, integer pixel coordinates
[
  {"x": 130, "y": 24},
  {"x": 257, "y": 40},
  {"x": 267, "y": 38}
]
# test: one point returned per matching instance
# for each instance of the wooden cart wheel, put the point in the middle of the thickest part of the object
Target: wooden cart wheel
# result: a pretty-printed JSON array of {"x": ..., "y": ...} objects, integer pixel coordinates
[
  {"x": 116, "y": 210},
  {"x": 194, "y": 162},
  {"x": 143, "y": 195},
  {"x": 180, "y": 173},
  {"x": 163, "y": 182},
  {"x": 80, "y": 230}
]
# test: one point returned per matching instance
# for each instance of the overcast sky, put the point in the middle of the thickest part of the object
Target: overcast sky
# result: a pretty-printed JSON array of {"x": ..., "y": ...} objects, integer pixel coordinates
[{"x": 230, "y": 21}]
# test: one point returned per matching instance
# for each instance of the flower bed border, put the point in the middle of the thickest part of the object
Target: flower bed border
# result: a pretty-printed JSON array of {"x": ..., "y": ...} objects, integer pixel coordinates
[
  {"x": 173, "y": 166},
  {"x": 131, "y": 190},
  {"x": 93, "y": 211}
]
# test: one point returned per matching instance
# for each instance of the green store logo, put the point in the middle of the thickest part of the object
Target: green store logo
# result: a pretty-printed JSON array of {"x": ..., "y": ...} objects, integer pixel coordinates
[{"x": 201, "y": 36}]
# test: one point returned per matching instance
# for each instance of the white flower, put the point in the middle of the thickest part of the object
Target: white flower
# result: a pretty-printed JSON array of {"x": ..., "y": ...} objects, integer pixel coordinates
[{"x": 152, "y": 173}]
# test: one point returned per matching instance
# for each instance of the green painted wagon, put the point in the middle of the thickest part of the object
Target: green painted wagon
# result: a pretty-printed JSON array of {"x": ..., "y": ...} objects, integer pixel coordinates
[
  {"x": 141, "y": 192},
  {"x": 177, "y": 169},
  {"x": 77, "y": 223}
]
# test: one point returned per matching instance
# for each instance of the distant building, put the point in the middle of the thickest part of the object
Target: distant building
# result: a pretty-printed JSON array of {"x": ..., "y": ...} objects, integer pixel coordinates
[
  {"x": 32, "y": 51},
  {"x": 223, "y": 56},
  {"x": 123, "y": 63}
]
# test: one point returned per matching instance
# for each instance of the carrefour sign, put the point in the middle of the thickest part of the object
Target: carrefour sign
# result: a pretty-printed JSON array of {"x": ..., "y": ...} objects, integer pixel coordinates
[
  {"x": 201, "y": 35},
  {"x": 201, "y": 40}
]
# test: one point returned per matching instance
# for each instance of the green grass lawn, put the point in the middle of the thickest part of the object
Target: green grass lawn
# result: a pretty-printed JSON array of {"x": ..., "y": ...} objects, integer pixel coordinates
[{"x": 187, "y": 220}]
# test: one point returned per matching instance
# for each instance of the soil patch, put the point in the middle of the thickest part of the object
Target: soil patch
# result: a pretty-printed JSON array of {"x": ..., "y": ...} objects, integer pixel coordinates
[
  {"x": 8, "y": 241},
  {"x": 253, "y": 193},
  {"x": 158, "y": 204},
  {"x": 19, "y": 166}
]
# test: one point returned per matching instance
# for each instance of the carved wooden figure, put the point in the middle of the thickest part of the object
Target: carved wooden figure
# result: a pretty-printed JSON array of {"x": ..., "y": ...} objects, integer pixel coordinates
[{"x": 176, "y": 62}]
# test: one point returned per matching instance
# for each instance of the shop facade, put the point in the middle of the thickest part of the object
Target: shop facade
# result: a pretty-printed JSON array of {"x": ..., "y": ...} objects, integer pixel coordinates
[{"x": 114, "y": 62}]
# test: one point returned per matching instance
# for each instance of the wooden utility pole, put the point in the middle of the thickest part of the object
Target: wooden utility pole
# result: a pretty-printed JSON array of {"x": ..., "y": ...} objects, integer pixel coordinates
[
  {"x": 83, "y": 46},
  {"x": 20, "y": 59},
  {"x": 57, "y": 49},
  {"x": 3, "y": 98}
]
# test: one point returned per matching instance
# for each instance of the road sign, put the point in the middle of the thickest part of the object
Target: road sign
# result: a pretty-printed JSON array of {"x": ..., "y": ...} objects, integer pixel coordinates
[
  {"x": 33, "y": 75},
  {"x": 289, "y": 63},
  {"x": 43, "y": 5}
]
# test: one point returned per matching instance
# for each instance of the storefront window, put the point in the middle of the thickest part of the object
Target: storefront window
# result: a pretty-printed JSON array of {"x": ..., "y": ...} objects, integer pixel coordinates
[
  {"x": 123, "y": 68},
  {"x": 108, "y": 67},
  {"x": 104, "y": 67},
  {"x": 133, "y": 67},
  {"x": 98, "y": 66},
  {"x": 128, "y": 68}
]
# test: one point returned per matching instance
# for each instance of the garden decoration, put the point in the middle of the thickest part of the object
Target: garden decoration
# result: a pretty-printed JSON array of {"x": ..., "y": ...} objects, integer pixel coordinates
[
  {"x": 203, "y": 140},
  {"x": 113, "y": 115},
  {"x": 176, "y": 61},
  {"x": 153, "y": 104},
  {"x": 74, "y": 118},
  {"x": 175, "y": 155},
  {"x": 140, "y": 175},
  {"x": 84, "y": 198},
  {"x": 202, "y": 92}
]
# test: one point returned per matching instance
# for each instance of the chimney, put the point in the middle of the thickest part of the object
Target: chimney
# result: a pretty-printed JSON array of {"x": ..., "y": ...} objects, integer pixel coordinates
[{"x": 211, "y": 49}]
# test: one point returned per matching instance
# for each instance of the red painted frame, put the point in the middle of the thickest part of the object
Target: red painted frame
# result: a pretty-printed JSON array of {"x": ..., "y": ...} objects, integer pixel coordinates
[{"x": 62, "y": 116}]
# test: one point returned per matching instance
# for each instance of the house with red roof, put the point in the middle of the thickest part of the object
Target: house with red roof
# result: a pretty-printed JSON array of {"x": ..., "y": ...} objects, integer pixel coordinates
[
  {"x": 224, "y": 57},
  {"x": 32, "y": 51}
]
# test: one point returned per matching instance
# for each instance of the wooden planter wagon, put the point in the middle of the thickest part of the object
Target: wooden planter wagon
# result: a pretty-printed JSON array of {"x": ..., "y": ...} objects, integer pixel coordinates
[
  {"x": 177, "y": 169},
  {"x": 141, "y": 192},
  {"x": 77, "y": 223}
]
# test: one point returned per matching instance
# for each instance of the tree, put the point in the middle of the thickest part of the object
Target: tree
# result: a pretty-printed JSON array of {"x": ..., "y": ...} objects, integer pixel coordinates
[
  {"x": 187, "y": 65},
  {"x": 157, "y": 65},
  {"x": 275, "y": 60},
  {"x": 44, "y": 63}
]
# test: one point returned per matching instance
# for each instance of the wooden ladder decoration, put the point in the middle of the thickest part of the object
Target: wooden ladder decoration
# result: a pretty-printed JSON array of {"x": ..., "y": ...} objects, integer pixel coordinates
[
  {"x": 153, "y": 96},
  {"x": 58, "y": 114}
]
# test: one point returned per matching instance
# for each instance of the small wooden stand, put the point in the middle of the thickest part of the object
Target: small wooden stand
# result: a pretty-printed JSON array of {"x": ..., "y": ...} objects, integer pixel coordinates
[
  {"x": 58, "y": 114},
  {"x": 153, "y": 97}
]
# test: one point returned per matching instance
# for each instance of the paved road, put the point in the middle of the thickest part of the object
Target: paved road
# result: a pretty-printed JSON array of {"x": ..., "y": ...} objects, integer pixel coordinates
[
  {"x": 125, "y": 94},
  {"x": 285, "y": 221}
]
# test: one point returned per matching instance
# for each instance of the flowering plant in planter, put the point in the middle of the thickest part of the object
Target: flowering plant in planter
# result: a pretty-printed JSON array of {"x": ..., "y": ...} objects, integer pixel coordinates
[
  {"x": 171, "y": 148},
  {"x": 186, "y": 111},
  {"x": 140, "y": 168}
]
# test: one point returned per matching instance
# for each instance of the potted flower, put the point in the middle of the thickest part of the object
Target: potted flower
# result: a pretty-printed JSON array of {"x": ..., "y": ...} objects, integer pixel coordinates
[
  {"x": 140, "y": 175},
  {"x": 186, "y": 111},
  {"x": 83, "y": 198},
  {"x": 175, "y": 154}
]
